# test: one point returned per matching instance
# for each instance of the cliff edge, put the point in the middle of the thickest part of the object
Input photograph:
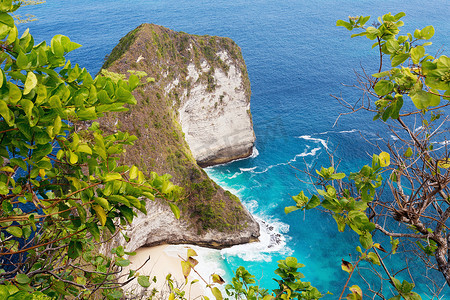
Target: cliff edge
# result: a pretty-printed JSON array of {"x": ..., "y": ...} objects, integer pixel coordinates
[{"x": 194, "y": 109}]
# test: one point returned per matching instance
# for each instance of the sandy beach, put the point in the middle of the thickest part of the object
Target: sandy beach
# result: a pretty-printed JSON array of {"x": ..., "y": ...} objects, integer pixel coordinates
[{"x": 165, "y": 260}]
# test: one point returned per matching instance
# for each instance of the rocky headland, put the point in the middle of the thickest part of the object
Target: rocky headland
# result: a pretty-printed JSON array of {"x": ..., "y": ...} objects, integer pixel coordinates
[{"x": 193, "y": 110}]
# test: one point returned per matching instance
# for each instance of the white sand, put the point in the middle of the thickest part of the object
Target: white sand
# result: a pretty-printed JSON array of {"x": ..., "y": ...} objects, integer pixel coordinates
[{"x": 164, "y": 260}]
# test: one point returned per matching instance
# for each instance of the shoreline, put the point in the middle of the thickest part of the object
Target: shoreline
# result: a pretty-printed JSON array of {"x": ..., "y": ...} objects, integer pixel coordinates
[{"x": 165, "y": 259}]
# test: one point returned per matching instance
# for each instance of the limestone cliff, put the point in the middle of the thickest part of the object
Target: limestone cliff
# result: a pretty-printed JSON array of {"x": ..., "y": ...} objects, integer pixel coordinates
[
  {"x": 215, "y": 113},
  {"x": 199, "y": 101}
]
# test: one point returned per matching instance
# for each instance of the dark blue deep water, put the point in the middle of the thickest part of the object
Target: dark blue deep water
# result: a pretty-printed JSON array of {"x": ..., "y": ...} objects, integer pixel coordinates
[{"x": 296, "y": 58}]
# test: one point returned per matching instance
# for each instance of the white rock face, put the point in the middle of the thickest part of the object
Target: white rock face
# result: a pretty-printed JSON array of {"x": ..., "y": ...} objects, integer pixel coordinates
[
  {"x": 216, "y": 122},
  {"x": 160, "y": 226}
]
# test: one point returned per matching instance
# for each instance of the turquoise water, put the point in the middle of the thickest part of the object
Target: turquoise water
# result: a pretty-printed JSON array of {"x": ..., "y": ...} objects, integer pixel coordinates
[{"x": 296, "y": 58}]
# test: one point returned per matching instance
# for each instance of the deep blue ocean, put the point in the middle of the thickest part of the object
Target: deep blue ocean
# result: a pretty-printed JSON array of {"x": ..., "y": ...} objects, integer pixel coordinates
[{"x": 296, "y": 58}]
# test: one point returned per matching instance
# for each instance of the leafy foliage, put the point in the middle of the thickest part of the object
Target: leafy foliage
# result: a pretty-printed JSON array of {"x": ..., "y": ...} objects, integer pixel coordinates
[
  {"x": 62, "y": 191},
  {"x": 243, "y": 285}
]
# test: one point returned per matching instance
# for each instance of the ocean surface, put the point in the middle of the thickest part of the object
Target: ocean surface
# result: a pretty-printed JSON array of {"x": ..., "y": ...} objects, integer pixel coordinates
[{"x": 296, "y": 58}]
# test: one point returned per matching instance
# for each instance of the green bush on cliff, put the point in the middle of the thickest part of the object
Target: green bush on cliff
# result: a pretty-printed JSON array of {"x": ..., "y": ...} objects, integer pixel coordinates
[{"x": 62, "y": 191}]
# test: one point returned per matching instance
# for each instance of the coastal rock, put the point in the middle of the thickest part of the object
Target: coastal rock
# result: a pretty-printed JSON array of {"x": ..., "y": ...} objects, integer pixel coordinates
[
  {"x": 160, "y": 226},
  {"x": 206, "y": 79},
  {"x": 192, "y": 107},
  {"x": 215, "y": 115}
]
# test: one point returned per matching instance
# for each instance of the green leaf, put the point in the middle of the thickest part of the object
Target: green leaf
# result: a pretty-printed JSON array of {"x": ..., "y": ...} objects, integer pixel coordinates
[
  {"x": 73, "y": 158},
  {"x": 427, "y": 33},
  {"x": 373, "y": 257},
  {"x": 127, "y": 212},
  {"x": 102, "y": 201},
  {"x": 22, "y": 61},
  {"x": 313, "y": 202},
  {"x": 112, "y": 176},
  {"x": 217, "y": 293},
  {"x": 423, "y": 99},
  {"x": 41, "y": 151},
  {"x": 122, "y": 262},
  {"x": 7, "y": 115},
  {"x": 125, "y": 96},
  {"x": 340, "y": 221},
  {"x": 4, "y": 190},
  {"x": 4, "y": 293},
  {"x": 1, "y": 78},
  {"x": 133, "y": 172},
  {"x": 84, "y": 148},
  {"x": 186, "y": 268},
  {"x": 75, "y": 249},
  {"x": 384, "y": 87},
  {"x": 217, "y": 279},
  {"x": 392, "y": 46},
  {"x": 22, "y": 279},
  {"x": 175, "y": 210},
  {"x": 27, "y": 107},
  {"x": 93, "y": 229},
  {"x": 337, "y": 176},
  {"x": 406, "y": 287},
  {"x": 118, "y": 199},
  {"x": 100, "y": 214},
  {"x": 356, "y": 290},
  {"x": 133, "y": 81},
  {"x": 4, "y": 17},
  {"x": 56, "y": 46},
  {"x": 398, "y": 59},
  {"x": 289, "y": 209},
  {"x": 57, "y": 124},
  {"x": 81, "y": 280},
  {"x": 15, "y": 94},
  {"x": 68, "y": 45},
  {"x": 191, "y": 252},
  {"x": 18, "y": 162},
  {"x": 344, "y": 24},
  {"x": 291, "y": 262},
  {"x": 30, "y": 83},
  {"x": 366, "y": 240},
  {"x": 143, "y": 281},
  {"x": 417, "y": 53},
  {"x": 15, "y": 231},
  {"x": 397, "y": 283},
  {"x": 87, "y": 114},
  {"x": 382, "y": 74},
  {"x": 300, "y": 199}
]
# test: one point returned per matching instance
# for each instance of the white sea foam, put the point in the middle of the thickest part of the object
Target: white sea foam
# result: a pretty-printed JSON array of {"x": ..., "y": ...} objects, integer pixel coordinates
[
  {"x": 247, "y": 169},
  {"x": 272, "y": 240},
  {"x": 235, "y": 175},
  {"x": 241, "y": 171},
  {"x": 313, "y": 152},
  {"x": 342, "y": 131},
  {"x": 251, "y": 205},
  {"x": 270, "y": 167},
  {"x": 349, "y": 131},
  {"x": 255, "y": 152},
  {"x": 316, "y": 140}
]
